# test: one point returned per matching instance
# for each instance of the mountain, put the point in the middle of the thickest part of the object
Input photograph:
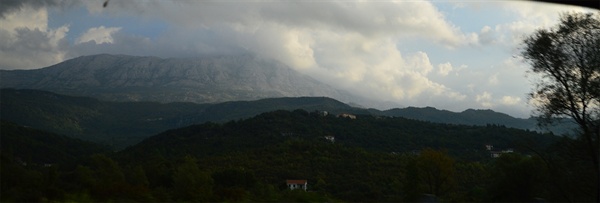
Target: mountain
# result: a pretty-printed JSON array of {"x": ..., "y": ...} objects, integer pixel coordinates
[
  {"x": 29, "y": 145},
  {"x": 110, "y": 123},
  {"x": 120, "y": 124},
  {"x": 199, "y": 80},
  {"x": 382, "y": 134},
  {"x": 467, "y": 117},
  {"x": 476, "y": 117},
  {"x": 227, "y": 111},
  {"x": 367, "y": 160},
  {"x": 216, "y": 79}
]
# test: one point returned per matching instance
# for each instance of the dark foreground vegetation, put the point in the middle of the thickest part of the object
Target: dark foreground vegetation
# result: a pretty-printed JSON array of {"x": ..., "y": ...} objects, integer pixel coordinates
[{"x": 369, "y": 159}]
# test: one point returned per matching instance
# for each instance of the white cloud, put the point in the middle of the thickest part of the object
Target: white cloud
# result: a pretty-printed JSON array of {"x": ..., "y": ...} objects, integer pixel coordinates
[
  {"x": 26, "y": 42},
  {"x": 485, "y": 99},
  {"x": 530, "y": 16},
  {"x": 493, "y": 80},
  {"x": 420, "y": 63},
  {"x": 444, "y": 69},
  {"x": 543, "y": 13},
  {"x": 26, "y": 17},
  {"x": 373, "y": 19},
  {"x": 486, "y": 36},
  {"x": 510, "y": 100},
  {"x": 99, "y": 35}
]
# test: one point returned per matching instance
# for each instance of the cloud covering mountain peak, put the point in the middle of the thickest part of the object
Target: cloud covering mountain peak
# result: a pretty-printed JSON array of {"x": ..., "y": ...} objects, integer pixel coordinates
[{"x": 435, "y": 53}]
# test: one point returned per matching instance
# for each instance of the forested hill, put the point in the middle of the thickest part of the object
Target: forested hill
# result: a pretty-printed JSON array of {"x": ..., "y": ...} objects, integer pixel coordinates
[
  {"x": 368, "y": 158},
  {"x": 31, "y": 146},
  {"x": 363, "y": 159},
  {"x": 120, "y": 124},
  {"x": 383, "y": 134}
]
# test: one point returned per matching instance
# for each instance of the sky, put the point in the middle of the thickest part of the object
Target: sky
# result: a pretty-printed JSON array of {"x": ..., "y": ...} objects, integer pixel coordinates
[{"x": 448, "y": 54}]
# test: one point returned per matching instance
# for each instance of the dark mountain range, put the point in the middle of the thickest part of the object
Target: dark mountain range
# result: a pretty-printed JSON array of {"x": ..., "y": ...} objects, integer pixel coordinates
[
  {"x": 198, "y": 80},
  {"x": 467, "y": 117},
  {"x": 123, "y": 123},
  {"x": 477, "y": 117},
  {"x": 120, "y": 124}
]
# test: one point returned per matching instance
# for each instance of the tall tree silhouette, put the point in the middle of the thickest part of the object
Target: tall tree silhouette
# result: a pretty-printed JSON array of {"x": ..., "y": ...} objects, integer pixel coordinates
[{"x": 567, "y": 57}]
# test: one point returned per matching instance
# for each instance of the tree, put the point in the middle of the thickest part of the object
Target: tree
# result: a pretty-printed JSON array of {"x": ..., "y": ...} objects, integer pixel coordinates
[
  {"x": 567, "y": 57},
  {"x": 109, "y": 183},
  {"x": 436, "y": 171},
  {"x": 191, "y": 183},
  {"x": 516, "y": 178},
  {"x": 233, "y": 184}
]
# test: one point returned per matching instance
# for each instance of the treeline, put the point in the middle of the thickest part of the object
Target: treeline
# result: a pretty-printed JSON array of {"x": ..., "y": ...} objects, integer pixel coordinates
[
  {"x": 370, "y": 159},
  {"x": 372, "y": 133},
  {"x": 334, "y": 173}
]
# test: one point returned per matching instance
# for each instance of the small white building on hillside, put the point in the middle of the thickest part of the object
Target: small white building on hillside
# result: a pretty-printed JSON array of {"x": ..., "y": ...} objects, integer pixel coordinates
[
  {"x": 330, "y": 138},
  {"x": 297, "y": 184},
  {"x": 345, "y": 115},
  {"x": 497, "y": 153}
]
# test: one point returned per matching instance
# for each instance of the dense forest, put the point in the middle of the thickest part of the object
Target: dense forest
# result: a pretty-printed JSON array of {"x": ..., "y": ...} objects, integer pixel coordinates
[
  {"x": 362, "y": 158},
  {"x": 121, "y": 124}
]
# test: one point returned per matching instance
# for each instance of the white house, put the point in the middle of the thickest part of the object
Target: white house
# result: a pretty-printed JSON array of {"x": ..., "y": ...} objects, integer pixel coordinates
[
  {"x": 508, "y": 150},
  {"x": 345, "y": 115},
  {"x": 496, "y": 154},
  {"x": 330, "y": 138},
  {"x": 324, "y": 113},
  {"x": 297, "y": 184}
]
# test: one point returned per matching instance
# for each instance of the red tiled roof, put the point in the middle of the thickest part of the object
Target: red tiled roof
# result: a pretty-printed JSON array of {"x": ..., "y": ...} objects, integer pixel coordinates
[{"x": 296, "y": 181}]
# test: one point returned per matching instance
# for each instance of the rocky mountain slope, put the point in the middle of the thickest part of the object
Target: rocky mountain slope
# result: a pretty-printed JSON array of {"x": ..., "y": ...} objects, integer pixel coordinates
[{"x": 200, "y": 80}]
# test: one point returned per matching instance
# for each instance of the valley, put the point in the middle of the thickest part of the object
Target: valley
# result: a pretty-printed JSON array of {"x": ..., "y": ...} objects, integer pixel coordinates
[{"x": 235, "y": 128}]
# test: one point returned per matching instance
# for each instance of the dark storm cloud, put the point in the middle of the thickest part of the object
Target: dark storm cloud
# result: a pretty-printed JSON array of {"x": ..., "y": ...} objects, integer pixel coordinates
[
  {"x": 8, "y": 6},
  {"x": 189, "y": 45}
]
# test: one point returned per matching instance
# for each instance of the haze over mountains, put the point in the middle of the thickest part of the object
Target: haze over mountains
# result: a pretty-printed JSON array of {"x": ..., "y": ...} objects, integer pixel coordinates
[{"x": 200, "y": 80}]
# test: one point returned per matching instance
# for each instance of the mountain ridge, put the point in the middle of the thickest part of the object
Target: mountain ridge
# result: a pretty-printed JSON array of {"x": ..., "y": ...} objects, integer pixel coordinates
[
  {"x": 385, "y": 134},
  {"x": 41, "y": 147},
  {"x": 466, "y": 117},
  {"x": 208, "y": 79},
  {"x": 123, "y": 123}
]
